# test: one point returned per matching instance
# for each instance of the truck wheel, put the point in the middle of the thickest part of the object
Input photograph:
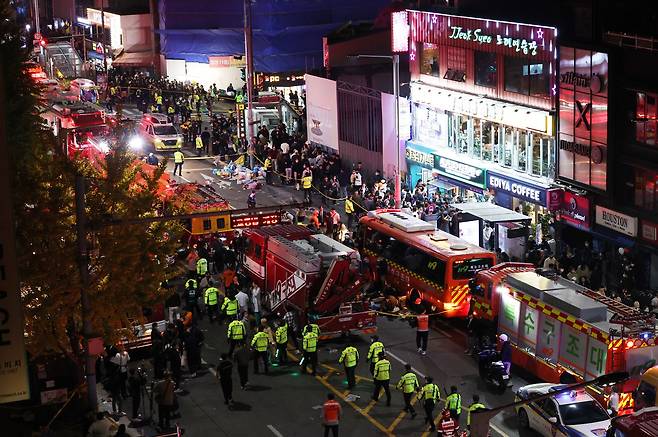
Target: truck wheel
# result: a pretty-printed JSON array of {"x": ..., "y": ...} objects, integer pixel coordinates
[{"x": 524, "y": 422}]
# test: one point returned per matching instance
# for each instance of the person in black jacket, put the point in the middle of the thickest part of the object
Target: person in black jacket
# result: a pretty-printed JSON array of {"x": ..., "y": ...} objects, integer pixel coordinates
[
  {"x": 225, "y": 375},
  {"x": 135, "y": 382}
]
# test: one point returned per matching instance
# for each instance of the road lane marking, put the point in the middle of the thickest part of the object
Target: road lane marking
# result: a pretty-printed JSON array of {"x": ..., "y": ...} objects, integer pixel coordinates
[
  {"x": 370, "y": 406},
  {"x": 398, "y": 419},
  {"x": 401, "y": 361},
  {"x": 274, "y": 431},
  {"x": 498, "y": 430}
]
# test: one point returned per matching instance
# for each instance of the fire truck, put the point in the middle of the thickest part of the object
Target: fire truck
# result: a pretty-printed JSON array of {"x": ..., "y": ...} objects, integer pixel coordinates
[
  {"x": 312, "y": 274},
  {"x": 561, "y": 331}
]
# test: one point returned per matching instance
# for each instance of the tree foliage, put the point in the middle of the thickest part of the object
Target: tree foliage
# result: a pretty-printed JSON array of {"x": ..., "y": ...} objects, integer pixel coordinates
[{"x": 127, "y": 263}]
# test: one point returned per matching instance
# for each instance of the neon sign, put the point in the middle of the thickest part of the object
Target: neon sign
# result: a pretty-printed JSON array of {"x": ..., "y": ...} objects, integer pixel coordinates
[{"x": 477, "y": 35}]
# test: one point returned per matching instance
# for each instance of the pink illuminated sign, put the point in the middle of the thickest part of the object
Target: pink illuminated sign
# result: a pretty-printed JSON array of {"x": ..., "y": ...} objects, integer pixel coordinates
[{"x": 400, "y": 32}]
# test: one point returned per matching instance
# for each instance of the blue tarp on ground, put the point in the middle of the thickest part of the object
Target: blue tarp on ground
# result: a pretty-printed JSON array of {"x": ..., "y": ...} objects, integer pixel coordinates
[{"x": 287, "y": 34}]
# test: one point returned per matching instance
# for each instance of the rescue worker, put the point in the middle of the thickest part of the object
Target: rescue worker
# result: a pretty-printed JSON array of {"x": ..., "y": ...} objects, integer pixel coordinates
[
  {"x": 230, "y": 307},
  {"x": 170, "y": 113},
  {"x": 311, "y": 327},
  {"x": 454, "y": 403},
  {"x": 281, "y": 338},
  {"x": 331, "y": 411},
  {"x": 422, "y": 332},
  {"x": 349, "y": 359},
  {"x": 198, "y": 143},
  {"x": 211, "y": 299},
  {"x": 349, "y": 211},
  {"x": 382, "y": 378},
  {"x": 267, "y": 166},
  {"x": 409, "y": 385},
  {"x": 259, "y": 344},
  {"x": 310, "y": 346},
  {"x": 429, "y": 395},
  {"x": 475, "y": 406},
  {"x": 179, "y": 158},
  {"x": 191, "y": 297},
  {"x": 158, "y": 101},
  {"x": 448, "y": 426},
  {"x": 201, "y": 267},
  {"x": 376, "y": 347},
  {"x": 307, "y": 184},
  {"x": 236, "y": 334}
]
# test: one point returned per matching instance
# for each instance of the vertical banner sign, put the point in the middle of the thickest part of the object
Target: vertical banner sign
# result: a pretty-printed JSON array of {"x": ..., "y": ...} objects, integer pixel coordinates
[
  {"x": 597, "y": 353},
  {"x": 573, "y": 349},
  {"x": 529, "y": 324},
  {"x": 508, "y": 320},
  {"x": 549, "y": 338}
]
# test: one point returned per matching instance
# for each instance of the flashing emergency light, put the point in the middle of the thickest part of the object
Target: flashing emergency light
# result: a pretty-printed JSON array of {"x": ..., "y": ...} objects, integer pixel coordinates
[
  {"x": 629, "y": 344},
  {"x": 502, "y": 289},
  {"x": 43, "y": 43}
]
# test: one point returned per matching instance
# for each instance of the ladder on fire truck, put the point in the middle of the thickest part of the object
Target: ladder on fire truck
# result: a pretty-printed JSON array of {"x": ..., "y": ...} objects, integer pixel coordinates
[{"x": 338, "y": 286}]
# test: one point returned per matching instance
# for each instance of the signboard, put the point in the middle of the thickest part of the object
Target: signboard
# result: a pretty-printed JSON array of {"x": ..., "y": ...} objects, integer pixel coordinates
[
  {"x": 508, "y": 320},
  {"x": 430, "y": 126},
  {"x": 597, "y": 354},
  {"x": 529, "y": 327},
  {"x": 423, "y": 159},
  {"x": 255, "y": 220},
  {"x": 575, "y": 210},
  {"x": 616, "y": 221},
  {"x": 548, "y": 338},
  {"x": 573, "y": 349},
  {"x": 554, "y": 198},
  {"x": 226, "y": 61},
  {"x": 649, "y": 232},
  {"x": 519, "y": 189},
  {"x": 460, "y": 171},
  {"x": 322, "y": 112}
]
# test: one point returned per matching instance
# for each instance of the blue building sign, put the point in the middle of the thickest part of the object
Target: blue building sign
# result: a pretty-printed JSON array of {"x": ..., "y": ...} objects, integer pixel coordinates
[{"x": 516, "y": 188}]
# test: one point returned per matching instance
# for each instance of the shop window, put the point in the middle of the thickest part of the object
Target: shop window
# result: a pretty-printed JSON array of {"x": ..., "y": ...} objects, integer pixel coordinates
[
  {"x": 521, "y": 152},
  {"x": 476, "y": 152},
  {"x": 523, "y": 77},
  {"x": 537, "y": 156},
  {"x": 646, "y": 115},
  {"x": 487, "y": 140},
  {"x": 430, "y": 60},
  {"x": 646, "y": 190},
  {"x": 510, "y": 145},
  {"x": 548, "y": 157},
  {"x": 485, "y": 69},
  {"x": 539, "y": 79}
]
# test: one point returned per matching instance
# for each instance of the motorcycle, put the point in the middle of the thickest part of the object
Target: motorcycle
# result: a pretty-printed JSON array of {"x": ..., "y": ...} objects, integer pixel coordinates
[{"x": 492, "y": 370}]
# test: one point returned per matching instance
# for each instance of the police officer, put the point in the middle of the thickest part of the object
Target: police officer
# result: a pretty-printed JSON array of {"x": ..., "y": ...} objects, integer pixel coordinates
[
  {"x": 211, "y": 299},
  {"x": 281, "y": 338},
  {"x": 259, "y": 344},
  {"x": 201, "y": 268},
  {"x": 236, "y": 334},
  {"x": 376, "y": 347},
  {"x": 191, "y": 298},
  {"x": 198, "y": 143},
  {"x": 170, "y": 113},
  {"x": 382, "y": 377},
  {"x": 310, "y": 346},
  {"x": 311, "y": 327},
  {"x": 408, "y": 384},
  {"x": 475, "y": 406},
  {"x": 429, "y": 394},
  {"x": 230, "y": 307},
  {"x": 454, "y": 403},
  {"x": 307, "y": 184},
  {"x": 267, "y": 166},
  {"x": 349, "y": 211},
  {"x": 349, "y": 358},
  {"x": 179, "y": 158}
]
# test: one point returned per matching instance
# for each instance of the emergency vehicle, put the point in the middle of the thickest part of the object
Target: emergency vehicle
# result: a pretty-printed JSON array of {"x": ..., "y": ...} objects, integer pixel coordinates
[
  {"x": 561, "y": 331},
  {"x": 643, "y": 423},
  {"x": 311, "y": 274},
  {"x": 436, "y": 264}
]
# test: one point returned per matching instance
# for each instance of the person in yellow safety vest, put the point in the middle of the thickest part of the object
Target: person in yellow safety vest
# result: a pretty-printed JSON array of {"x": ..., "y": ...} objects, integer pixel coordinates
[
  {"x": 236, "y": 334},
  {"x": 349, "y": 210},
  {"x": 349, "y": 358},
  {"x": 179, "y": 158},
  {"x": 198, "y": 142},
  {"x": 259, "y": 344},
  {"x": 230, "y": 307},
  {"x": 281, "y": 338},
  {"x": 201, "y": 267},
  {"x": 429, "y": 394},
  {"x": 408, "y": 384},
  {"x": 158, "y": 102},
  {"x": 170, "y": 113},
  {"x": 211, "y": 299},
  {"x": 307, "y": 184},
  {"x": 311, "y": 327},
  {"x": 382, "y": 377},
  {"x": 454, "y": 403},
  {"x": 310, "y": 346},
  {"x": 267, "y": 166},
  {"x": 153, "y": 108},
  {"x": 239, "y": 98},
  {"x": 475, "y": 406},
  {"x": 376, "y": 347}
]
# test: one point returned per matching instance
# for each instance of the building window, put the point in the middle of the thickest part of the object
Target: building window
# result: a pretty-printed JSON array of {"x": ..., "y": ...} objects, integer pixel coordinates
[
  {"x": 485, "y": 69},
  {"x": 646, "y": 190},
  {"x": 646, "y": 114},
  {"x": 430, "y": 60},
  {"x": 510, "y": 145},
  {"x": 521, "y": 151},
  {"x": 526, "y": 78},
  {"x": 476, "y": 152}
]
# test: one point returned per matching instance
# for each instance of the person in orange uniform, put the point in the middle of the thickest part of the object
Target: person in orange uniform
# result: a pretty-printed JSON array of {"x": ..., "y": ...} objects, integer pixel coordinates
[
  {"x": 331, "y": 411},
  {"x": 448, "y": 427},
  {"x": 422, "y": 332}
]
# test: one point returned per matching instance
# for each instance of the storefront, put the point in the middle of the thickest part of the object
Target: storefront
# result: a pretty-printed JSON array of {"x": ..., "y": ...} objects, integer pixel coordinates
[
  {"x": 613, "y": 227},
  {"x": 649, "y": 238},
  {"x": 531, "y": 199}
]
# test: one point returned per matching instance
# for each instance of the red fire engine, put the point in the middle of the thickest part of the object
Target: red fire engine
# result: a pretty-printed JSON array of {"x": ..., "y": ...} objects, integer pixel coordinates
[
  {"x": 559, "y": 329},
  {"x": 312, "y": 274},
  {"x": 643, "y": 423}
]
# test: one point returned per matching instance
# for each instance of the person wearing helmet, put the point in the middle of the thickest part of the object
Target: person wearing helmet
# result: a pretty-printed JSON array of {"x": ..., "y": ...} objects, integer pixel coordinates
[{"x": 505, "y": 352}]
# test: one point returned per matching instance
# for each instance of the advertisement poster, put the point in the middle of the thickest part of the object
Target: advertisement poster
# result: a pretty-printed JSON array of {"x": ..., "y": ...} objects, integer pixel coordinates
[
  {"x": 575, "y": 210},
  {"x": 322, "y": 112}
]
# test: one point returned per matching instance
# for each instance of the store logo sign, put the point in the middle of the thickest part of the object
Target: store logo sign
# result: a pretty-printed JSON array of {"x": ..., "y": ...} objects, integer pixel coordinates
[
  {"x": 650, "y": 232},
  {"x": 617, "y": 221},
  {"x": 422, "y": 158},
  {"x": 475, "y": 35},
  {"x": 583, "y": 111},
  {"x": 518, "y": 189},
  {"x": 459, "y": 170}
]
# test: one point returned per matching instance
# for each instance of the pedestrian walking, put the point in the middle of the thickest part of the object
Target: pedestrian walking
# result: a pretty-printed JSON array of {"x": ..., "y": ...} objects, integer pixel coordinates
[
  {"x": 281, "y": 337},
  {"x": 251, "y": 199},
  {"x": 136, "y": 382},
  {"x": 157, "y": 350},
  {"x": 349, "y": 358},
  {"x": 376, "y": 347},
  {"x": 382, "y": 378},
  {"x": 310, "y": 346},
  {"x": 259, "y": 343},
  {"x": 211, "y": 299},
  {"x": 165, "y": 397},
  {"x": 409, "y": 385},
  {"x": 121, "y": 360},
  {"x": 454, "y": 403},
  {"x": 225, "y": 376},
  {"x": 241, "y": 358},
  {"x": 429, "y": 394},
  {"x": 475, "y": 406},
  {"x": 179, "y": 159},
  {"x": 193, "y": 343},
  {"x": 331, "y": 412},
  {"x": 422, "y": 332},
  {"x": 236, "y": 334},
  {"x": 243, "y": 302}
]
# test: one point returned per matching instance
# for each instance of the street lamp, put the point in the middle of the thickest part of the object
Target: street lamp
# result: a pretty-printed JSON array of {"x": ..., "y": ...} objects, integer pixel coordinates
[
  {"x": 396, "y": 92},
  {"x": 480, "y": 418}
]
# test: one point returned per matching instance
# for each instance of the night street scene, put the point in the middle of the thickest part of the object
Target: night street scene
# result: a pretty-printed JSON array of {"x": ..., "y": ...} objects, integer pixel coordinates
[{"x": 298, "y": 218}]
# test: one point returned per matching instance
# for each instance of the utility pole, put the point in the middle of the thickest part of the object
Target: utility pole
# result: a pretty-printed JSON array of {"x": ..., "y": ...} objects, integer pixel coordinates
[
  {"x": 37, "y": 20},
  {"x": 396, "y": 92},
  {"x": 103, "y": 39},
  {"x": 249, "y": 76},
  {"x": 83, "y": 262}
]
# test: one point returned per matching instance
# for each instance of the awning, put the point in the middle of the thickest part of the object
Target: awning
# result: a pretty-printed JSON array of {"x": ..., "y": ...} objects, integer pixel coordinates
[
  {"x": 490, "y": 212},
  {"x": 135, "y": 59}
]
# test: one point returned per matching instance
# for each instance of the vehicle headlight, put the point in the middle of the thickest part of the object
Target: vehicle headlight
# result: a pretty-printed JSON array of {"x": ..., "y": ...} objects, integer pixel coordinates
[
  {"x": 104, "y": 146},
  {"x": 135, "y": 142}
]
